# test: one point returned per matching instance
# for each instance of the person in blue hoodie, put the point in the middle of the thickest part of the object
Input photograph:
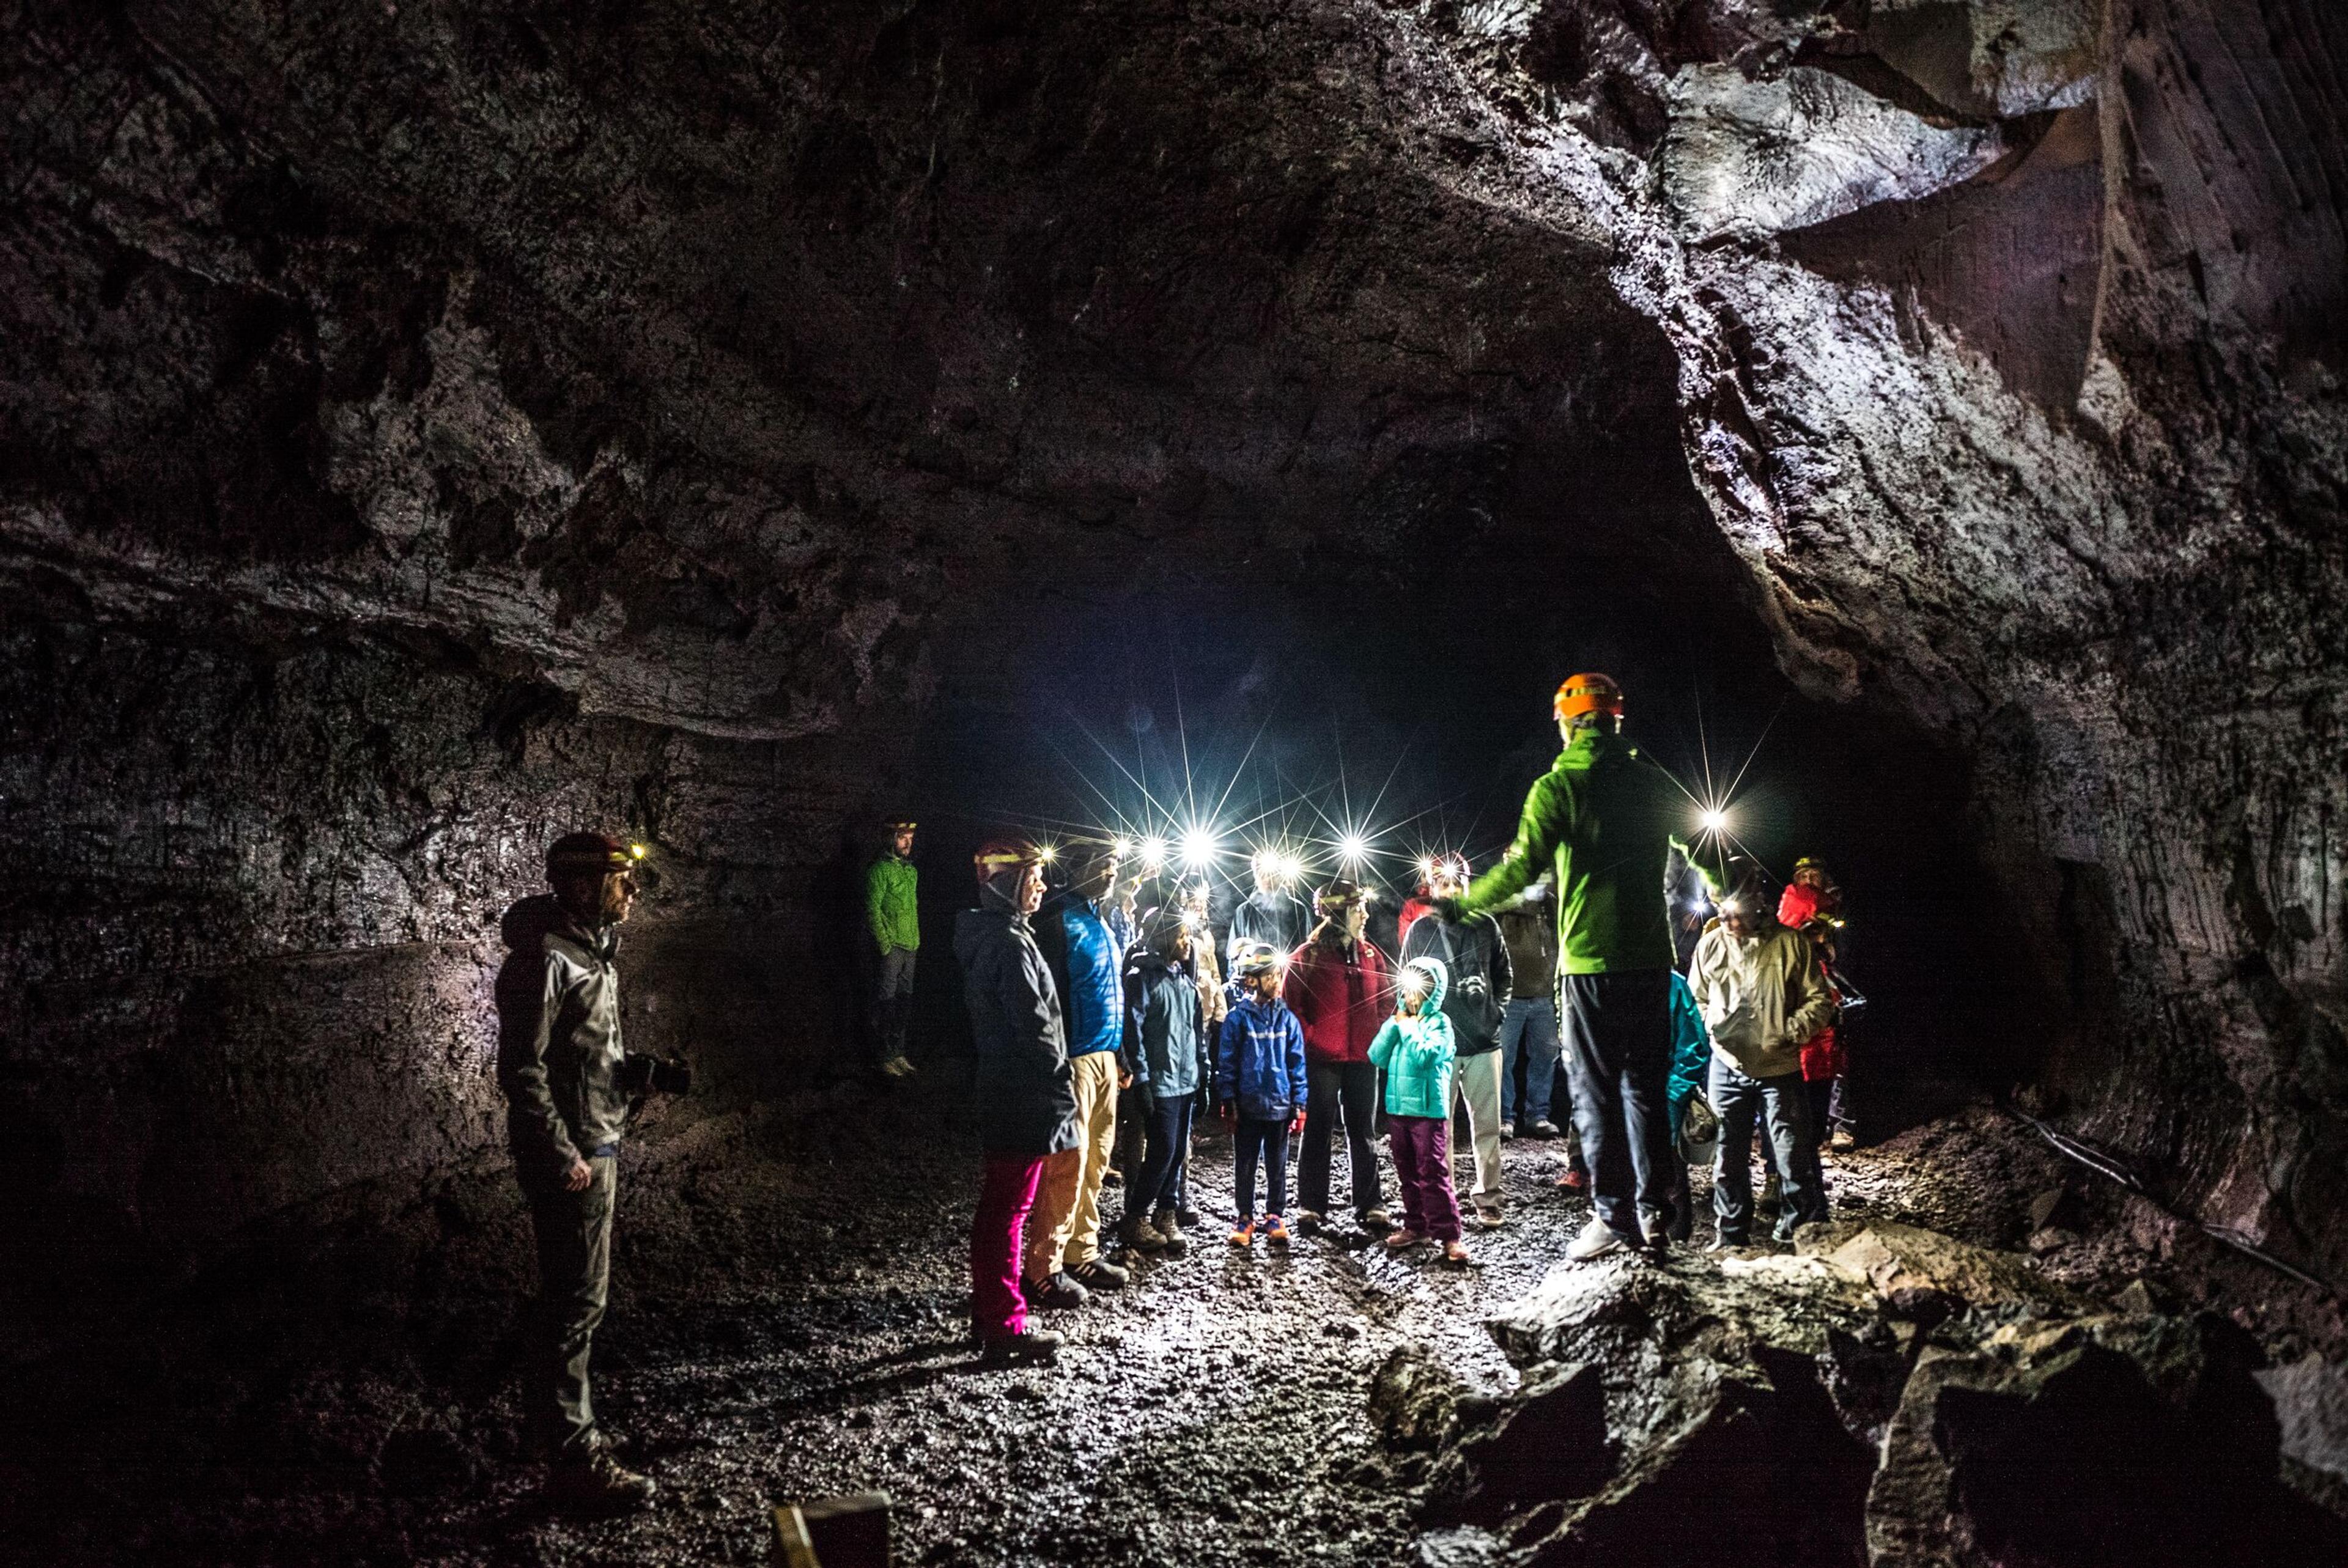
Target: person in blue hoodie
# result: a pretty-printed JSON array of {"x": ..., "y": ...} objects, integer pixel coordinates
[
  {"x": 1088, "y": 966},
  {"x": 1260, "y": 1090},
  {"x": 1166, "y": 1057},
  {"x": 1418, "y": 1054}
]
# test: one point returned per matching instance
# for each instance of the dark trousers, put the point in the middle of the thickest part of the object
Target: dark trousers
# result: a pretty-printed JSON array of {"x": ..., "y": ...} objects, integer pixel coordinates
[
  {"x": 574, "y": 1272},
  {"x": 1618, "y": 1053},
  {"x": 1422, "y": 1157},
  {"x": 1260, "y": 1141},
  {"x": 1166, "y": 1140},
  {"x": 1782, "y": 1105},
  {"x": 892, "y": 1002},
  {"x": 998, "y": 1236},
  {"x": 1339, "y": 1092}
]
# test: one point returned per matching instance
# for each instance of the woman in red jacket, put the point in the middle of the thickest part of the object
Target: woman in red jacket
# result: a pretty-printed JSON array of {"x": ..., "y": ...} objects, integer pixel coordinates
[{"x": 1339, "y": 988}]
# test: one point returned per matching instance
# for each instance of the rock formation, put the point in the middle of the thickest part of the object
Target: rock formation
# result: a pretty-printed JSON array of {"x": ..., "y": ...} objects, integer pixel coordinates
[{"x": 427, "y": 425}]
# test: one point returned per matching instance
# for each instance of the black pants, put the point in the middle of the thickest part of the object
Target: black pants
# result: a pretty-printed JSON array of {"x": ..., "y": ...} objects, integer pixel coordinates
[
  {"x": 1619, "y": 1048},
  {"x": 574, "y": 1269},
  {"x": 1157, "y": 1182},
  {"x": 1267, "y": 1141},
  {"x": 1343, "y": 1093}
]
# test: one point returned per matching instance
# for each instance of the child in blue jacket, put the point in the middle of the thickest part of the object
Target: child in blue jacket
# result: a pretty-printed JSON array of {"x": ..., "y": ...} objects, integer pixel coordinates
[
  {"x": 1259, "y": 1089},
  {"x": 1415, "y": 1049}
]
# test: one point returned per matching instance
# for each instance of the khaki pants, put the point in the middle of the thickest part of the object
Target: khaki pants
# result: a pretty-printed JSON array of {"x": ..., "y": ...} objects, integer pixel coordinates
[
  {"x": 1477, "y": 1079},
  {"x": 1065, "y": 1227}
]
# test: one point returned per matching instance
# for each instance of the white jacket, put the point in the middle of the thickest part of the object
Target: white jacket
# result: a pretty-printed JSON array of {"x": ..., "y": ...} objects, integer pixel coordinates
[{"x": 1762, "y": 996}]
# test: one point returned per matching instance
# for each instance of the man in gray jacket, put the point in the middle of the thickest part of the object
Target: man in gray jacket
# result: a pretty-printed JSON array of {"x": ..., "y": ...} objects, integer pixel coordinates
[
  {"x": 1762, "y": 996},
  {"x": 568, "y": 1084}
]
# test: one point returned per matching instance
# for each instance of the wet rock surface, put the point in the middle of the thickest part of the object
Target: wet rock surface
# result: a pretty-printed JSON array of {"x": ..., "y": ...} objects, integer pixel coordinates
[{"x": 788, "y": 1323}]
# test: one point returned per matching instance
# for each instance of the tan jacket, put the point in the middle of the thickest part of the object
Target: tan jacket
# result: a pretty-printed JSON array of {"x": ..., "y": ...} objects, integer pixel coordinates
[{"x": 1762, "y": 996}]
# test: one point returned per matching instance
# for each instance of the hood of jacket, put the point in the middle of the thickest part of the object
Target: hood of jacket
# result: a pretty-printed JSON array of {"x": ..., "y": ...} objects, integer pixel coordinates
[
  {"x": 1438, "y": 975},
  {"x": 528, "y": 923}
]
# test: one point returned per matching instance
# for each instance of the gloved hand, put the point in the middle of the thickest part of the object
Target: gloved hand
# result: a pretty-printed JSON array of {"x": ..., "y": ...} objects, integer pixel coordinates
[{"x": 1296, "y": 1123}]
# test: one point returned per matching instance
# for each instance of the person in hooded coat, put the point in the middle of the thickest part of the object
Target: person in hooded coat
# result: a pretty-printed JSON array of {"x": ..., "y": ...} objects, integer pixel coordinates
[
  {"x": 1339, "y": 991},
  {"x": 1025, "y": 1098}
]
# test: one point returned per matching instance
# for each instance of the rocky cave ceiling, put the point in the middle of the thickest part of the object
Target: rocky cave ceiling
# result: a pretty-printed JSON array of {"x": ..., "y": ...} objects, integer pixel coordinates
[{"x": 695, "y": 386}]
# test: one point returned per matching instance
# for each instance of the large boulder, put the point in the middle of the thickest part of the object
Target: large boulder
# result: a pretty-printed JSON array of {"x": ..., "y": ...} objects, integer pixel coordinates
[{"x": 2136, "y": 1441}]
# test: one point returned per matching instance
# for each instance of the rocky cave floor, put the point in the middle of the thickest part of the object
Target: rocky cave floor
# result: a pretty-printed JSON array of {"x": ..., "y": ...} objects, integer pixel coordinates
[{"x": 787, "y": 1323}]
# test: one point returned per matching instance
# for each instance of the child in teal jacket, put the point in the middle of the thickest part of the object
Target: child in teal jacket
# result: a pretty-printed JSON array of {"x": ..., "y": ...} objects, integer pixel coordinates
[{"x": 1415, "y": 1049}]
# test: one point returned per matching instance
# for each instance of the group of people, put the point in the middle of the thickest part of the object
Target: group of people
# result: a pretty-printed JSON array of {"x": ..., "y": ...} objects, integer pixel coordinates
[
  {"x": 1106, "y": 1025},
  {"x": 1096, "y": 1001}
]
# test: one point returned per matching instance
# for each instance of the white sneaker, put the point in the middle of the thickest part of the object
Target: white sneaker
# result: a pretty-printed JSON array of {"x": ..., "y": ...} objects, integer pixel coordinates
[
  {"x": 1597, "y": 1239},
  {"x": 1507, "y": 1128}
]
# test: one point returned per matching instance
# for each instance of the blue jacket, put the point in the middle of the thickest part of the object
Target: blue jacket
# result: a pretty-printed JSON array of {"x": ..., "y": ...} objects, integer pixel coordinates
[
  {"x": 1417, "y": 1053},
  {"x": 1691, "y": 1049},
  {"x": 1164, "y": 1027},
  {"x": 1260, "y": 1060},
  {"x": 1089, "y": 965}
]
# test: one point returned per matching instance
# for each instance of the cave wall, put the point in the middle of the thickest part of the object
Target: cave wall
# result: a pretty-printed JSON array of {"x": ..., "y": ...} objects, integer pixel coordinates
[{"x": 566, "y": 397}]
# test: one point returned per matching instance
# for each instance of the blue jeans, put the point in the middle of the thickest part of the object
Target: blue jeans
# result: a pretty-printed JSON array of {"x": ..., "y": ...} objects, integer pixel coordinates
[
  {"x": 1528, "y": 1031},
  {"x": 1782, "y": 1107}
]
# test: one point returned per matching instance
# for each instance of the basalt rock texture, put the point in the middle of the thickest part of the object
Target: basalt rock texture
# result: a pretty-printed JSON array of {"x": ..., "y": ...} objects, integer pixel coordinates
[
  {"x": 1892, "y": 1396},
  {"x": 423, "y": 426}
]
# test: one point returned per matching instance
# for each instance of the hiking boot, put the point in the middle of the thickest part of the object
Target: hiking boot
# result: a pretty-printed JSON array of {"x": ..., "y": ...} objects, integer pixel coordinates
[
  {"x": 595, "y": 1483},
  {"x": 1188, "y": 1219},
  {"x": 1275, "y": 1231},
  {"x": 1037, "y": 1347},
  {"x": 1308, "y": 1223},
  {"x": 1162, "y": 1222},
  {"x": 1597, "y": 1239},
  {"x": 1374, "y": 1220},
  {"x": 1059, "y": 1292},
  {"x": 1455, "y": 1255},
  {"x": 1773, "y": 1193},
  {"x": 1141, "y": 1236},
  {"x": 1842, "y": 1142},
  {"x": 1404, "y": 1240},
  {"x": 1243, "y": 1234},
  {"x": 1508, "y": 1130},
  {"x": 1100, "y": 1274},
  {"x": 1544, "y": 1128}
]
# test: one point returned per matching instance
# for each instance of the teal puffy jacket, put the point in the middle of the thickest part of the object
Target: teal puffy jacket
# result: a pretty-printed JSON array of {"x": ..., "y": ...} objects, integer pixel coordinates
[{"x": 1417, "y": 1053}]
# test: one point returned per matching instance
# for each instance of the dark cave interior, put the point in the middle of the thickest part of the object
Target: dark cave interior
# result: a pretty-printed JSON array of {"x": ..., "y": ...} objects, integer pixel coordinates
[{"x": 426, "y": 429}]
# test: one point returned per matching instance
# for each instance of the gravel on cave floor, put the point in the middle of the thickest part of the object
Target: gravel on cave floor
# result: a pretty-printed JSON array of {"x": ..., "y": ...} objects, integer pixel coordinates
[{"x": 788, "y": 1323}]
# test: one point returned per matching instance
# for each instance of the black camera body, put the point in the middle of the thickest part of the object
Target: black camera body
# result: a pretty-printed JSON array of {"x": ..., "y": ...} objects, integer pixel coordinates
[{"x": 655, "y": 1075}]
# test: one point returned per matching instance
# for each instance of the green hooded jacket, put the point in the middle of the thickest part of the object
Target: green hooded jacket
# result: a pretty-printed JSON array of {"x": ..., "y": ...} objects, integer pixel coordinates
[
  {"x": 889, "y": 905},
  {"x": 1605, "y": 819}
]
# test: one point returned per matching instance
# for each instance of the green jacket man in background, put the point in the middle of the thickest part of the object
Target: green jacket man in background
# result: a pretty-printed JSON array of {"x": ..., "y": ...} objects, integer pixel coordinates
[
  {"x": 1603, "y": 821},
  {"x": 892, "y": 917}
]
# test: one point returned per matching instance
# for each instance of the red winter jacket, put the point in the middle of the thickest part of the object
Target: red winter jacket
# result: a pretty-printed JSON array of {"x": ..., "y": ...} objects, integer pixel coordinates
[
  {"x": 1417, "y": 903},
  {"x": 1340, "y": 1001}
]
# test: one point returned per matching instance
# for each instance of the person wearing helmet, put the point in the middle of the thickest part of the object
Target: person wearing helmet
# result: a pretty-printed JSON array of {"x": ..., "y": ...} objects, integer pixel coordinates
[
  {"x": 1603, "y": 821},
  {"x": 1259, "y": 1090},
  {"x": 891, "y": 918},
  {"x": 1073, "y": 930},
  {"x": 1339, "y": 990},
  {"x": 1273, "y": 914},
  {"x": 567, "y": 1085},
  {"x": 1025, "y": 1101}
]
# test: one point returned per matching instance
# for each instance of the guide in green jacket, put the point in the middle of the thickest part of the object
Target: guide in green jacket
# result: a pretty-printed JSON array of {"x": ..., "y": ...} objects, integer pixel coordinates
[
  {"x": 891, "y": 913},
  {"x": 1604, "y": 821}
]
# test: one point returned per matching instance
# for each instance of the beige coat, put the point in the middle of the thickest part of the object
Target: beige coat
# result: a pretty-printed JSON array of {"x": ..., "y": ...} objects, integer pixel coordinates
[{"x": 1762, "y": 996}]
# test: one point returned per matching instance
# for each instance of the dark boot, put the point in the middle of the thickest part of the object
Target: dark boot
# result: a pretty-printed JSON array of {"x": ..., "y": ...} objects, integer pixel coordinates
[
  {"x": 594, "y": 1482},
  {"x": 1036, "y": 1347}
]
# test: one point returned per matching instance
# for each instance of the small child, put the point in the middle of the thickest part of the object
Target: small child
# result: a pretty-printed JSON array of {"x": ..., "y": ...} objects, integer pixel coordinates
[
  {"x": 1416, "y": 1049},
  {"x": 1260, "y": 1087}
]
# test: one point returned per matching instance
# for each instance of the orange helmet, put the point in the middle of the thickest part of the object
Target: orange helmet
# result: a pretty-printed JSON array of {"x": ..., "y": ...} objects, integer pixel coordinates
[{"x": 1590, "y": 694}]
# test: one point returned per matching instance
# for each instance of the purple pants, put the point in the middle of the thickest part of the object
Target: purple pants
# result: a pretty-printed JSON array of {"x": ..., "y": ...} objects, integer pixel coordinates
[
  {"x": 997, "y": 1308},
  {"x": 1422, "y": 1157}
]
